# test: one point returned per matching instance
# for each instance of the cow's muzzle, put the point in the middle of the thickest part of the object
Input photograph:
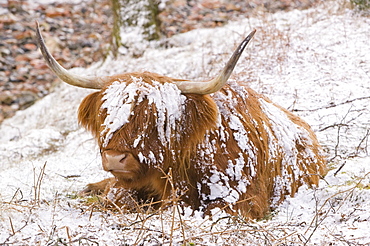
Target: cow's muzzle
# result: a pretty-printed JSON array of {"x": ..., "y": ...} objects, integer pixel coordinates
[{"x": 120, "y": 164}]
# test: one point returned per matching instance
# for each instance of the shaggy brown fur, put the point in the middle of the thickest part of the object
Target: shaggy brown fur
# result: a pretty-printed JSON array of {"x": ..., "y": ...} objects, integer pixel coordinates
[{"x": 206, "y": 148}]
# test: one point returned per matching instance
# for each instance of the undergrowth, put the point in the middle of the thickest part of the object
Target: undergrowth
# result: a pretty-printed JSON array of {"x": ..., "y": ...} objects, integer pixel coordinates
[
  {"x": 362, "y": 5},
  {"x": 169, "y": 225}
]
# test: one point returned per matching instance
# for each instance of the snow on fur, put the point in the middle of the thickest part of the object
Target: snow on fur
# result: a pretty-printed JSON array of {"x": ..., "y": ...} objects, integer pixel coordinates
[{"x": 119, "y": 99}]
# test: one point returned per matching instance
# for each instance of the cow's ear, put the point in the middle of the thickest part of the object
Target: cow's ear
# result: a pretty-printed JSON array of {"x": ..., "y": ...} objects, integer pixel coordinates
[{"x": 89, "y": 113}]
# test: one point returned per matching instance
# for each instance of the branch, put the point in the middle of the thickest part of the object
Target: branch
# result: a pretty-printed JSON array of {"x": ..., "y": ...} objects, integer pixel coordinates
[{"x": 332, "y": 105}]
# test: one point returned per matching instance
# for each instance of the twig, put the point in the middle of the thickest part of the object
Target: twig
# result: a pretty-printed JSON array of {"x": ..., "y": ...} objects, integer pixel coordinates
[
  {"x": 332, "y": 126},
  {"x": 340, "y": 168},
  {"x": 70, "y": 176},
  {"x": 11, "y": 225},
  {"x": 84, "y": 238},
  {"x": 149, "y": 216},
  {"x": 362, "y": 140},
  {"x": 16, "y": 231},
  {"x": 285, "y": 237},
  {"x": 338, "y": 134},
  {"x": 316, "y": 219},
  {"x": 350, "y": 191},
  {"x": 68, "y": 235},
  {"x": 15, "y": 194},
  {"x": 332, "y": 105},
  {"x": 37, "y": 184}
]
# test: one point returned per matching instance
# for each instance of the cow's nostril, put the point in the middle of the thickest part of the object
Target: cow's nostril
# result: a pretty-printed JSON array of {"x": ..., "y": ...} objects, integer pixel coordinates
[
  {"x": 123, "y": 158},
  {"x": 113, "y": 160}
]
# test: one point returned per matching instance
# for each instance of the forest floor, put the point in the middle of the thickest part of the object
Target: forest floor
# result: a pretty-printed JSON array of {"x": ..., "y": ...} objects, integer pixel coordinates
[{"x": 81, "y": 35}]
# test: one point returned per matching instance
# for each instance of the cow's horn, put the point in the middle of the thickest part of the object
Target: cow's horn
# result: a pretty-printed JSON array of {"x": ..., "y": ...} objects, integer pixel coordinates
[
  {"x": 218, "y": 82},
  {"x": 91, "y": 82}
]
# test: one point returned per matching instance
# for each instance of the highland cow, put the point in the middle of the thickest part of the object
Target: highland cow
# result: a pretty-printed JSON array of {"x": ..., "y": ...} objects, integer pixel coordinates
[{"x": 225, "y": 145}]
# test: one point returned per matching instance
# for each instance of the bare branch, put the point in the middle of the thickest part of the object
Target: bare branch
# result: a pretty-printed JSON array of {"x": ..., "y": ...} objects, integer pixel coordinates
[{"x": 332, "y": 105}]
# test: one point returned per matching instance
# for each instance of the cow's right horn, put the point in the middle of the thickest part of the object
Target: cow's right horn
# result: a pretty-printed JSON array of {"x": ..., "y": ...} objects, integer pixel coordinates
[
  {"x": 92, "y": 82},
  {"x": 208, "y": 87}
]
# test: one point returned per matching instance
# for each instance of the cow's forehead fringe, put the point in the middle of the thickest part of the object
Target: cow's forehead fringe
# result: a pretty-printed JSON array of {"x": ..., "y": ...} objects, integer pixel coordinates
[{"x": 121, "y": 96}]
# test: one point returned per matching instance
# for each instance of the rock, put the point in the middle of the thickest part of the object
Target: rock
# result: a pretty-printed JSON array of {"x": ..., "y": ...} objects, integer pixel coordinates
[
  {"x": 6, "y": 97},
  {"x": 4, "y": 51},
  {"x": 8, "y": 19},
  {"x": 26, "y": 99}
]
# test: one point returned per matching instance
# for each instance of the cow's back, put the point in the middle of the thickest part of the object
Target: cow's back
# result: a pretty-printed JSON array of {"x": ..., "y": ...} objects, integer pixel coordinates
[{"x": 259, "y": 154}]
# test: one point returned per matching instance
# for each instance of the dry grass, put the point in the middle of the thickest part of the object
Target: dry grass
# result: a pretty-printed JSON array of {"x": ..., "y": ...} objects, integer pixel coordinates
[
  {"x": 234, "y": 232},
  {"x": 169, "y": 226}
]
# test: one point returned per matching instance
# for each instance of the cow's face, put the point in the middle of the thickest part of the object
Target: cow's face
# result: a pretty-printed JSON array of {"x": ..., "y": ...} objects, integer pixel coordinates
[{"x": 116, "y": 139}]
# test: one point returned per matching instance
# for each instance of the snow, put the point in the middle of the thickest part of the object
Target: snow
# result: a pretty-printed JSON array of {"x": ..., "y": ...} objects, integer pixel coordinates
[{"x": 315, "y": 62}]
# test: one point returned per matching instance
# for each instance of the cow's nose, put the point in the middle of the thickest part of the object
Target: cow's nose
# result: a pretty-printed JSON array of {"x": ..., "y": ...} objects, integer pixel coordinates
[{"x": 113, "y": 160}]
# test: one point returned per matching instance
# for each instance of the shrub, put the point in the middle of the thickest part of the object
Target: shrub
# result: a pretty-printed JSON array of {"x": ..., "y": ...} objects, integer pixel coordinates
[{"x": 361, "y": 4}]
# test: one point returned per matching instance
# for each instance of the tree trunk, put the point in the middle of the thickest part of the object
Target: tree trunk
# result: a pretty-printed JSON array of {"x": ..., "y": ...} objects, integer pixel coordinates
[{"x": 135, "y": 24}]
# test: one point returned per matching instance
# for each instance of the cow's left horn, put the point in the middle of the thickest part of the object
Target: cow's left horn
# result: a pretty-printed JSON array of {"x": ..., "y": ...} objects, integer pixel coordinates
[
  {"x": 92, "y": 82},
  {"x": 217, "y": 83}
]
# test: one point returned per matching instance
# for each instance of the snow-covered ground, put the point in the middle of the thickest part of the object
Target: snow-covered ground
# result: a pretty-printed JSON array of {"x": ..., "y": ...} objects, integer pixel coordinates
[{"x": 315, "y": 62}]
